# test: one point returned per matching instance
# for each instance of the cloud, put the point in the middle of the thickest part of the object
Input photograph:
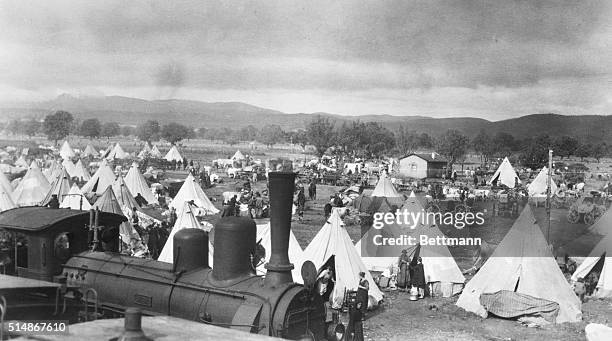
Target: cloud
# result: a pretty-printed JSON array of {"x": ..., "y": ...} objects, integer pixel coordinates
[{"x": 379, "y": 48}]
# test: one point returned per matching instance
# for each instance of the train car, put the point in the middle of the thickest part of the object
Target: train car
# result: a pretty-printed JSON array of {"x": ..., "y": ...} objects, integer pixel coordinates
[{"x": 229, "y": 295}]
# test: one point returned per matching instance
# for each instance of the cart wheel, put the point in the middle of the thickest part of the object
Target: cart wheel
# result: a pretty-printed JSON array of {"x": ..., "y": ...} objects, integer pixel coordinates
[
  {"x": 573, "y": 216},
  {"x": 589, "y": 218}
]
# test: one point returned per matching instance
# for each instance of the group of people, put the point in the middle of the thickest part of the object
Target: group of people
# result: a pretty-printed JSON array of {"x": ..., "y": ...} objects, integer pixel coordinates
[{"x": 411, "y": 276}]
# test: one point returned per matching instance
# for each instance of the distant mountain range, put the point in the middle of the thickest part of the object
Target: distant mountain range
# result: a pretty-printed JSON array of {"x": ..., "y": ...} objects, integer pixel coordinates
[{"x": 131, "y": 111}]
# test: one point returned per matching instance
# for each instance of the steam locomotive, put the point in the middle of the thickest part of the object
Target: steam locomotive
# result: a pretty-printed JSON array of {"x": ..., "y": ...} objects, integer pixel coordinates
[{"x": 230, "y": 295}]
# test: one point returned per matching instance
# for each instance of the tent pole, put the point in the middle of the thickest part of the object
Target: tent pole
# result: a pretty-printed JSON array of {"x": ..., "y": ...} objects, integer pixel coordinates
[{"x": 548, "y": 194}]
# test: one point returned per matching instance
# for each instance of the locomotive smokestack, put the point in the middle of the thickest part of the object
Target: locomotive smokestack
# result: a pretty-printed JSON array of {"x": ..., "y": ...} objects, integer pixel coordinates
[{"x": 279, "y": 268}]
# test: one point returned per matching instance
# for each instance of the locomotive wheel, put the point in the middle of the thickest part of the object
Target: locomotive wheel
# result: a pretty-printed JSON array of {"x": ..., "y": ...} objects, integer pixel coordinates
[
  {"x": 573, "y": 216},
  {"x": 589, "y": 218}
]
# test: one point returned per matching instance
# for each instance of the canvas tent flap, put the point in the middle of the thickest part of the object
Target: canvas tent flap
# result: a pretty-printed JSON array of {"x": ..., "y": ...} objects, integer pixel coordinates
[
  {"x": 174, "y": 155},
  {"x": 510, "y": 304},
  {"x": 603, "y": 249},
  {"x": 191, "y": 190},
  {"x": 136, "y": 183},
  {"x": 539, "y": 186},
  {"x": 75, "y": 200}
]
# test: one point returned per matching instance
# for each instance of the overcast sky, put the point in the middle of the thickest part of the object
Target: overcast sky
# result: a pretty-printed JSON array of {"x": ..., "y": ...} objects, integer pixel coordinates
[{"x": 489, "y": 59}]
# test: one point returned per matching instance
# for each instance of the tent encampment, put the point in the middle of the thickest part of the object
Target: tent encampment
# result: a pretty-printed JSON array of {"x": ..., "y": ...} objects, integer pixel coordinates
[
  {"x": 191, "y": 190},
  {"x": 75, "y": 200},
  {"x": 146, "y": 150},
  {"x": 186, "y": 219},
  {"x": 505, "y": 175},
  {"x": 538, "y": 187},
  {"x": 53, "y": 171},
  {"x": 32, "y": 189},
  {"x": 21, "y": 162},
  {"x": 98, "y": 183},
  {"x": 60, "y": 187},
  {"x": 136, "y": 183},
  {"x": 522, "y": 264},
  {"x": 383, "y": 198},
  {"x": 441, "y": 270},
  {"x": 173, "y": 155},
  {"x": 117, "y": 153},
  {"x": 333, "y": 244},
  {"x": 5, "y": 185},
  {"x": 66, "y": 152}
]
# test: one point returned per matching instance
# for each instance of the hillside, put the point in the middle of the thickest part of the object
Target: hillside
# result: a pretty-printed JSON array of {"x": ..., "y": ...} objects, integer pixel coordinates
[{"x": 131, "y": 111}]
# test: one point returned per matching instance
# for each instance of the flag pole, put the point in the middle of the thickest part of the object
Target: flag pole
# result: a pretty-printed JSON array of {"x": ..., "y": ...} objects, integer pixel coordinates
[{"x": 548, "y": 194}]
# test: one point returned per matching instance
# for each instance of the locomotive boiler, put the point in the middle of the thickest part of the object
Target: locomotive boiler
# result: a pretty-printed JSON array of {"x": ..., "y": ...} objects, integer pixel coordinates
[{"x": 229, "y": 295}]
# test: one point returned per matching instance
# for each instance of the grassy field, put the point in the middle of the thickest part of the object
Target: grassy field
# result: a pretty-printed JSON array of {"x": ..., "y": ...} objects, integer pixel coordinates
[{"x": 399, "y": 318}]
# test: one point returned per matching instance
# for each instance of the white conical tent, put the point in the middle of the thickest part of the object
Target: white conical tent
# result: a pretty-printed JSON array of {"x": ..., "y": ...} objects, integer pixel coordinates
[
  {"x": 60, "y": 187},
  {"x": 384, "y": 188},
  {"x": 237, "y": 156},
  {"x": 6, "y": 202},
  {"x": 173, "y": 155},
  {"x": 155, "y": 153},
  {"x": 108, "y": 203},
  {"x": 80, "y": 172},
  {"x": 5, "y": 184},
  {"x": 523, "y": 263},
  {"x": 117, "y": 153},
  {"x": 539, "y": 186},
  {"x": 601, "y": 253},
  {"x": 186, "y": 219},
  {"x": 146, "y": 150},
  {"x": 75, "y": 200},
  {"x": 136, "y": 183},
  {"x": 90, "y": 151},
  {"x": 21, "y": 162},
  {"x": 32, "y": 189},
  {"x": 603, "y": 225},
  {"x": 333, "y": 241},
  {"x": 98, "y": 183},
  {"x": 438, "y": 263},
  {"x": 66, "y": 152},
  {"x": 505, "y": 175},
  {"x": 124, "y": 196},
  {"x": 192, "y": 191},
  {"x": 53, "y": 171},
  {"x": 295, "y": 251},
  {"x": 69, "y": 167}
]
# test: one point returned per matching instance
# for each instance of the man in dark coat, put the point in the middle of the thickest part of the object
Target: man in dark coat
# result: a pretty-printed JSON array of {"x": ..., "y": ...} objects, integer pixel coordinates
[
  {"x": 417, "y": 275},
  {"x": 53, "y": 203}
]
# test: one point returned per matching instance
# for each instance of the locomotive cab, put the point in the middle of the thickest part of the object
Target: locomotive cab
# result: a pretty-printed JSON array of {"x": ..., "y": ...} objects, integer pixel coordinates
[{"x": 45, "y": 238}]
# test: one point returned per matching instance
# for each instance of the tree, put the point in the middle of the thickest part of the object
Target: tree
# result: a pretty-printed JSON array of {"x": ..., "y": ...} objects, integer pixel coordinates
[
  {"x": 57, "y": 126},
  {"x": 584, "y": 150},
  {"x": 503, "y": 144},
  {"x": 378, "y": 139},
  {"x": 249, "y": 133},
  {"x": 566, "y": 146},
  {"x": 128, "y": 131},
  {"x": 14, "y": 127},
  {"x": 174, "y": 132},
  {"x": 406, "y": 141},
  {"x": 148, "y": 131},
  {"x": 599, "y": 150},
  {"x": 31, "y": 127},
  {"x": 320, "y": 132},
  {"x": 452, "y": 145},
  {"x": 110, "y": 129},
  {"x": 426, "y": 141},
  {"x": 483, "y": 145},
  {"x": 271, "y": 135},
  {"x": 91, "y": 128},
  {"x": 534, "y": 152}
]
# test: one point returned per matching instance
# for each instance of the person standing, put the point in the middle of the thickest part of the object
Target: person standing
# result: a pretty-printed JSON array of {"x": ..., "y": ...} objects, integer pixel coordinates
[
  {"x": 417, "y": 276},
  {"x": 301, "y": 203},
  {"x": 362, "y": 292},
  {"x": 403, "y": 278},
  {"x": 354, "y": 330}
]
